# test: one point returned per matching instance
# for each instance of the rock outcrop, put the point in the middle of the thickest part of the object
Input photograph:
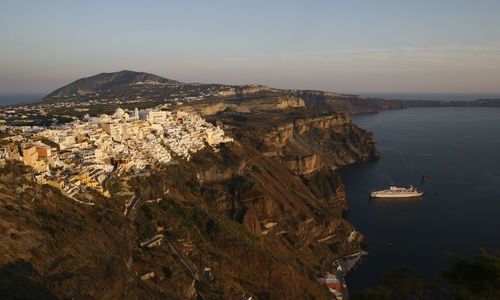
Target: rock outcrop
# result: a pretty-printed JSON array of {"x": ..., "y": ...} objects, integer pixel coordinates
[
  {"x": 350, "y": 103},
  {"x": 248, "y": 104},
  {"x": 305, "y": 140}
]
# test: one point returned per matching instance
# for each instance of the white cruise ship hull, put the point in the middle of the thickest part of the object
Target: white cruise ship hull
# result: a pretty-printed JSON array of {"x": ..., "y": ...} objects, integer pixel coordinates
[{"x": 395, "y": 194}]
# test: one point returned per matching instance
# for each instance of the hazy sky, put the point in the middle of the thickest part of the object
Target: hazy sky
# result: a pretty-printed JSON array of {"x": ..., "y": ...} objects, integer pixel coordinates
[{"x": 346, "y": 46}]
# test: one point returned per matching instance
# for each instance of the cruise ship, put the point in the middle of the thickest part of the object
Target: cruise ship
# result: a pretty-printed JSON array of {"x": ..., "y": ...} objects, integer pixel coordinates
[{"x": 397, "y": 192}]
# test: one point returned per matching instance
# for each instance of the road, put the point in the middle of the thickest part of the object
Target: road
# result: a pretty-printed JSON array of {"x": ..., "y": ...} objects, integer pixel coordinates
[
  {"x": 183, "y": 259},
  {"x": 129, "y": 207},
  {"x": 151, "y": 241},
  {"x": 105, "y": 181}
]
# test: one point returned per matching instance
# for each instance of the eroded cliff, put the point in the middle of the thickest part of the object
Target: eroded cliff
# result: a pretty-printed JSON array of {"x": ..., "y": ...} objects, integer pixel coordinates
[
  {"x": 261, "y": 216},
  {"x": 305, "y": 140},
  {"x": 265, "y": 100}
]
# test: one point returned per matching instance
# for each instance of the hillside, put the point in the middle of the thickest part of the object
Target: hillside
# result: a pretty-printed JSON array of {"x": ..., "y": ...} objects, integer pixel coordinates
[
  {"x": 109, "y": 81},
  {"x": 106, "y": 91},
  {"x": 256, "y": 217},
  {"x": 103, "y": 93}
]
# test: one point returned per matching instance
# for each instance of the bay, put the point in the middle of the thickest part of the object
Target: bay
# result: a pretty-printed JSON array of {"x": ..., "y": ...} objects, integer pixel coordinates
[
  {"x": 459, "y": 148},
  {"x": 13, "y": 99}
]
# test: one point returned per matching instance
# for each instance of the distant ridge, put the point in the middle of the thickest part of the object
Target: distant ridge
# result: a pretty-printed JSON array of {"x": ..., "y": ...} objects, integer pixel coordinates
[
  {"x": 132, "y": 87},
  {"x": 108, "y": 81}
]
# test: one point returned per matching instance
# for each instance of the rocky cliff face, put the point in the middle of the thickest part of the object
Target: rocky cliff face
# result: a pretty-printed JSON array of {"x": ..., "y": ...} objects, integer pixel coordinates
[
  {"x": 262, "y": 214},
  {"x": 280, "y": 134},
  {"x": 54, "y": 248},
  {"x": 259, "y": 98},
  {"x": 246, "y": 105},
  {"x": 251, "y": 89},
  {"x": 310, "y": 140},
  {"x": 262, "y": 229},
  {"x": 349, "y": 103}
]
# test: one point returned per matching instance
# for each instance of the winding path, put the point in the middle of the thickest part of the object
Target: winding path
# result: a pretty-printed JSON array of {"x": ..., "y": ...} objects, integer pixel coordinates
[
  {"x": 183, "y": 259},
  {"x": 105, "y": 181},
  {"x": 130, "y": 206}
]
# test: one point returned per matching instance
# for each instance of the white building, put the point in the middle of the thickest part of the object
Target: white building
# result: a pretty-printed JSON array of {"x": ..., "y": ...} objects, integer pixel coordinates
[
  {"x": 153, "y": 116},
  {"x": 113, "y": 129}
]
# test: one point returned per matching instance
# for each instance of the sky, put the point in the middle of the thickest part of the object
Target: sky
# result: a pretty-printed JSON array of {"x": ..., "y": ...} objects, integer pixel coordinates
[{"x": 350, "y": 46}]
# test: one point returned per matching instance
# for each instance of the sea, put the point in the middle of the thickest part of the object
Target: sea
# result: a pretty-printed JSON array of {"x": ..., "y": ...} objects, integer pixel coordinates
[
  {"x": 434, "y": 96},
  {"x": 13, "y": 99},
  {"x": 458, "y": 150}
]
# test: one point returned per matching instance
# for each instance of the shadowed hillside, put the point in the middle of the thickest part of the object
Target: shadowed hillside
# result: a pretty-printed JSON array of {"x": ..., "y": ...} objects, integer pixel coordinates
[
  {"x": 109, "y": 81},
  {"x": 253, "y": 217}
]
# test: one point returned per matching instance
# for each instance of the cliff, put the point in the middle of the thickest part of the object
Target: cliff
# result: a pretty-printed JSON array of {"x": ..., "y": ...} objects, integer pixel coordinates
[
  {"x": 262, "y": 229},
  {"x": 284, "y": 222},
  {"x": 259, "y": 98},
  {"x": 305, "y": 139},
  {"x": 261, "y": 216},
  {"x": 350, "y": 103},
  {"x": 54, "y": 248},
  {"x": 246, "y": 104},
  {"x": 248, "y": 89}
]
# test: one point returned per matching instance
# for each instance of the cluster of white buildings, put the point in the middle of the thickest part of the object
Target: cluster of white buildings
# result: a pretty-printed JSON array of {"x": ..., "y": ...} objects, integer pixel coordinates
[
  {"x": 90, "y": 149},
  {"x": 159, "y": 132}
]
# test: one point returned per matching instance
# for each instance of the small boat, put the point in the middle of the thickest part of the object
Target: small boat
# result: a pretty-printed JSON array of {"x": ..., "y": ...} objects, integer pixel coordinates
[{"x": 397, "y": 192}]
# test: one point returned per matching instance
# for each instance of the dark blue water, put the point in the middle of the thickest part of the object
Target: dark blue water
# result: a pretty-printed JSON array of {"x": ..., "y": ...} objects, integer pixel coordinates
[
  {"x": 12, "y": 99},
  {"x": 460, "y": 149},
  {"x": 435, "y": 96}
]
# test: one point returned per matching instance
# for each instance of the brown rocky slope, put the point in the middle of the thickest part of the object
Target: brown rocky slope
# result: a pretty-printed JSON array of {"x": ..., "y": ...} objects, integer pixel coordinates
[{"x": 261, "y": 216}]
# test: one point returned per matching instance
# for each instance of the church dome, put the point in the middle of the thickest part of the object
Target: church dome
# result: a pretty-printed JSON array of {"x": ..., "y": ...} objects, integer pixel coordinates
[{"x": 119, "y": 113}]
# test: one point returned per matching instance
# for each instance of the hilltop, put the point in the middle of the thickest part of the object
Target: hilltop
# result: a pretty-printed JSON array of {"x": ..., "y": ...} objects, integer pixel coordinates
[{"x": 109, "y": 81}]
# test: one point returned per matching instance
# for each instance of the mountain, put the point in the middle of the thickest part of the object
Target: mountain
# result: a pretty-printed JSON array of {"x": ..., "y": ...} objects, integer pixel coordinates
[
  {"x": 110, "y": 81},
  {"x": 104, "y": 92}
]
